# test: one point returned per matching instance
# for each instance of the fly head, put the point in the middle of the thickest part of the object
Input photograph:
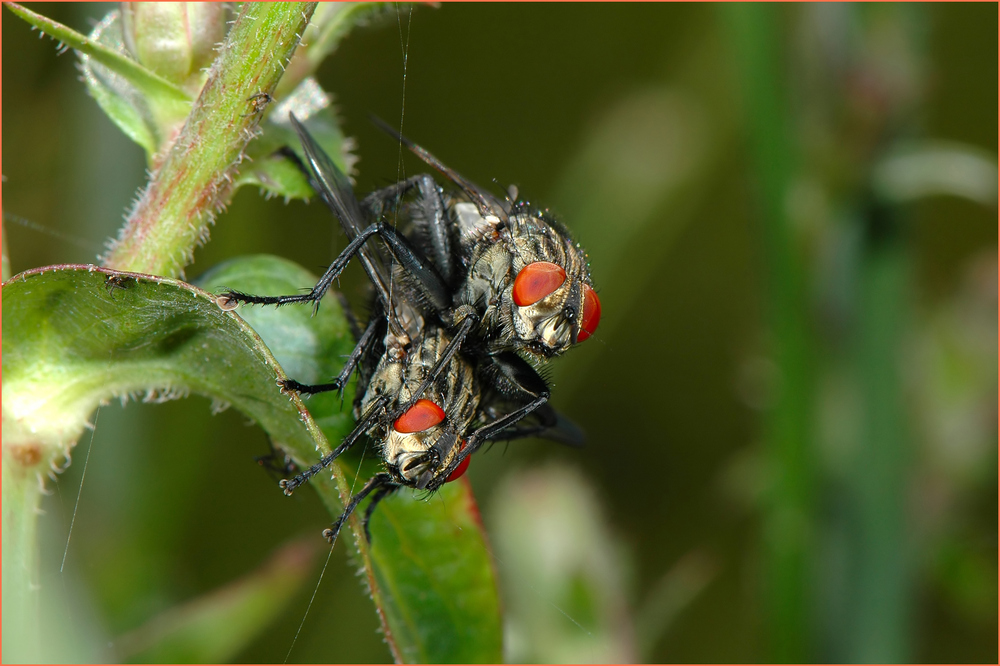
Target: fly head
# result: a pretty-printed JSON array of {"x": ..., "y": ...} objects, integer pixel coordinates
[{"x": 549, "y": 304}]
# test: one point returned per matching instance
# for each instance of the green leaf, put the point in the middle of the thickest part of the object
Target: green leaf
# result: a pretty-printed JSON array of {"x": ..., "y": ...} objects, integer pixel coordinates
[
  {"x": 77, "y": 335},
  {"x": 309, "y": 348},
  {"x": 434, "y": 578},
  {"x": 116, "y": 95},
  {"x": 215, "y": 627},
  {"x": 144, "y": 105}
]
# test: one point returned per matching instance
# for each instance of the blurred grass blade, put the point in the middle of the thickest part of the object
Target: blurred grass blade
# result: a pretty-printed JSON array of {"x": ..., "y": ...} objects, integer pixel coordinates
[
  {"x": 789, "y": 438},
  {"x": 151, "y": 85},
  {"x": 215, "y": 627},
  {"x": 879, "y": 627},
  {"x": 671, "y": 595}
]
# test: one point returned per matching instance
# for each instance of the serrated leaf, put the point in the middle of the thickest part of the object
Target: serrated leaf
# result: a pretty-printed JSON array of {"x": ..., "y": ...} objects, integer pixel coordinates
[
  {"x": 114, "y": 93},
  {"x": 331, "y": 23},
  {"x": 144, "y": 105}
]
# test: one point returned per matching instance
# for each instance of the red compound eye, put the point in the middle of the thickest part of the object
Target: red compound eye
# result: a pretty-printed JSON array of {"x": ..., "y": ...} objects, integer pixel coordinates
[
  {"x": 536, "y": 281},
  {"x": 591, "y": 314},
  {"x": 462, "y": 466},
  {"x": 422, "y": 415}
]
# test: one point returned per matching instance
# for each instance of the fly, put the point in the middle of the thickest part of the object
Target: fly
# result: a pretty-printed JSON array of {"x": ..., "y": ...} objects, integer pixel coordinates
[{"x": 424, "y": 401}]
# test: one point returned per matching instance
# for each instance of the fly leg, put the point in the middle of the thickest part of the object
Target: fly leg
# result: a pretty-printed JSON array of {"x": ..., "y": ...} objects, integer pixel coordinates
[
  {"x": 551, "y": 425},
  {"x": 318, "y": 291},
  {"x": 488, "y": 431},
  {"x": 368, "y": 338},
  {"x": 379, "y": 481},
  {"x": 382, "y": 493},
  {"x": 335, "y": 190},
  {"x": 431, "y": 210},
  {"x": 277, "y": 462},
  {"x": 289, "y": 485}
]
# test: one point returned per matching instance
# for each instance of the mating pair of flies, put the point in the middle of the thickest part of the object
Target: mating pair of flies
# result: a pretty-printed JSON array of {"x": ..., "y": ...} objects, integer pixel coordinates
[{"x": 470, "y": 290}]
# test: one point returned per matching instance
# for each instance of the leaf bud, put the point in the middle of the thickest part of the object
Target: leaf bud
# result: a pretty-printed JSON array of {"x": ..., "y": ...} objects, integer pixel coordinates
[{"x": 174, "y": 39}]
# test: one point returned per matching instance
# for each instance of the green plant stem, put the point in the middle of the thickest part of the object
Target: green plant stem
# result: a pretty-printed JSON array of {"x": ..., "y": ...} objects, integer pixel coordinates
[
  {"x": 880, "y": 587},
  {"x": 21, "y": 590},
  {"x": 195, "y": 178},
  {"x": 788, "y": 431}
]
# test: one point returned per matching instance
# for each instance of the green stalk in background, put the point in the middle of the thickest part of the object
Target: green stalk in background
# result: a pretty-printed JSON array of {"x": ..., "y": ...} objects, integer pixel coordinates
[
  {"x": 861, "y": 605},
  {"x": 879, "y": 536},
  {"x": 877, "y": 628},
  {"x": 788, "y": 435}
]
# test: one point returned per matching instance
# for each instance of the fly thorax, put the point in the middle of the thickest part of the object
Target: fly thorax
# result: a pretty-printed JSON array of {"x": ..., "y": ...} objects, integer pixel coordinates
[
  {"x": 387, "y": 380},
  {"x": 472, "y": 227},
  {"x": 489, "y": 273}
]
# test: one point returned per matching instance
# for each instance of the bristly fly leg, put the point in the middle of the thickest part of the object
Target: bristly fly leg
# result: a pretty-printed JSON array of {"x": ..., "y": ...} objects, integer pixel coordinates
[
  {"x": 379, "y": 481},
  {"x": 368, "y": 339}
]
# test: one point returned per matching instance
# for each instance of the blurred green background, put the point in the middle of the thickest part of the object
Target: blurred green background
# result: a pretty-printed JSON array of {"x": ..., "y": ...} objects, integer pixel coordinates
[{"x": 791, "y": 401}]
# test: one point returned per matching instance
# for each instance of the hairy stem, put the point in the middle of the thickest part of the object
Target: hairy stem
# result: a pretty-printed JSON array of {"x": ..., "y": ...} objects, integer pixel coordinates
[{"x": 195, "y": 178}]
